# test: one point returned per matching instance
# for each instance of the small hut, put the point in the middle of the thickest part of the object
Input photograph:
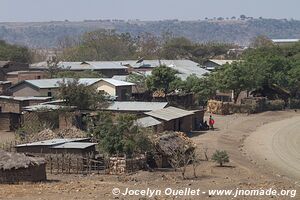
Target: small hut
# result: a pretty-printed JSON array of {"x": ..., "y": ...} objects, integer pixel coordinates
[
  {"x": 170, "y": 144},
  {"x": 16, "y": 167}
]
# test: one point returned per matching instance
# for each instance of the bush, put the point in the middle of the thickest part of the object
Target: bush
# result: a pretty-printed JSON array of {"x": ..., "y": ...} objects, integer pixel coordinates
[
  {"x": 220, "y": 157},
  {"x": 295, "y": 103},
  {"x": 275, "y": 105}
]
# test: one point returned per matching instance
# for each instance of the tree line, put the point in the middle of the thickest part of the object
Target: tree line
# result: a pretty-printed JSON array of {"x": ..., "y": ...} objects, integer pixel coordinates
[{"x": 110, "y": 45}]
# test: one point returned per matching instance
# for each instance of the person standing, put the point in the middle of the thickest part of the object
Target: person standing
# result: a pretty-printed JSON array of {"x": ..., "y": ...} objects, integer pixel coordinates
[{"x": 211, "y": 122}]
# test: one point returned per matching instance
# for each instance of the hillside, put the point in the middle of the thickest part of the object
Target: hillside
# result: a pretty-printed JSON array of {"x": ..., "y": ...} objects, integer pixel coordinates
[{"x": 48, "y": 34}]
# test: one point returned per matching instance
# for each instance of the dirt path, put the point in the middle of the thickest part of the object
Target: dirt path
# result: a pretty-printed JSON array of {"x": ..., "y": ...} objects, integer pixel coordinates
[{"x": 278, "y": 145}]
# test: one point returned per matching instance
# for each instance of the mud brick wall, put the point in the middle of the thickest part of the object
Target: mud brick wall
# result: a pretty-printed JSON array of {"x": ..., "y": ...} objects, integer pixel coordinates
[
  {"x": 4, "y": 122},
  {"x": 30, "y": 174}
]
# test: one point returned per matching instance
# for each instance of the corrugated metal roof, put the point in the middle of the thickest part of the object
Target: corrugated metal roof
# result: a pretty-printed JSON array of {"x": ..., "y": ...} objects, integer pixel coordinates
[
  {"x": 117, "y": 82},
  {"x": 74, "y": 145},
  {"x": 185, "y": 68},
  {"x": 43, "y": 107},
  {"x": 20, "y": 72},
  {"x": 24, "y": 98},
  {"x": 222, "y": 62},
  {"x": 54, "y": 83},
  {"x": 52, "y": 142},
  {"x": 285, "y": 40},
  {"x": 136, "y": 106},
  {"x": 120, "y": 77},
  {"x": 169, "y": 113},
  {"x": 87, "y": 65},
  {"x": 5, "y": 82},
  {"x": 147, "y": 122}
]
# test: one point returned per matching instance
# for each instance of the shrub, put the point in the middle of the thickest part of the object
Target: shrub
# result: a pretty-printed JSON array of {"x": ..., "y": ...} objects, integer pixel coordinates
[
  {"x": 275, "y": 105},
  {"x": 295, "y": 103},
  {"x": 220, "y": 157}
]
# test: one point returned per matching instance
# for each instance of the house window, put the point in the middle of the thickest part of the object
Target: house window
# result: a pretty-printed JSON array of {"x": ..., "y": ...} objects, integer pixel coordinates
[
  {"x": 49, "y": 94},
  {"x": 38, "y": 77}
]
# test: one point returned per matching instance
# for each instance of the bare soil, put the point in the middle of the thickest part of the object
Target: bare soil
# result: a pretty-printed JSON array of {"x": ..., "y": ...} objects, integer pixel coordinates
[{"x": 246, "y": 169}]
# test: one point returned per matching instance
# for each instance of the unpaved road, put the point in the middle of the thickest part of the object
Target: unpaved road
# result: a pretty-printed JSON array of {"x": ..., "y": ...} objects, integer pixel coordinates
[
  {"x": 244, "y": 171},
  {"x": 277, "y": 144}
]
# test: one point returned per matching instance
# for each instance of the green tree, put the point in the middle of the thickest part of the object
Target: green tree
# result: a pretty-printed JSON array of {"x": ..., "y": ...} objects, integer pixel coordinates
[
  {"x": 204, "y": 88},
  {"x": 120, "y": 135},
  {"x": 220, "y": 157},
  {"x": 14, "y": 53},
  {"x": 161, "y": 78},
  {"x": 236, "y": 77},
  {"x": 294, "y": 79},
  {"x": 80, "y": 95}
]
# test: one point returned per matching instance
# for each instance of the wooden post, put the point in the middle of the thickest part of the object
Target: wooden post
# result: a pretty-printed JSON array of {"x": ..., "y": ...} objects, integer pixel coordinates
[
  {"x": 69, "y": 164},
  {"x": 77, "y": 164},
  {"x": 51, "y": 164}
]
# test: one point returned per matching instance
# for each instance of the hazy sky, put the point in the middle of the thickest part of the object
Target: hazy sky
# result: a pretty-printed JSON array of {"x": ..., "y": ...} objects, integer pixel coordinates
[{"x": 77, "y": 10}]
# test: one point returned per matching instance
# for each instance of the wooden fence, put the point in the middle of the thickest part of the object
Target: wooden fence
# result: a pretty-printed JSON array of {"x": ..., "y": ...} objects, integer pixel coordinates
[
  {"x": 86, "y": 164},
  {"x": 74, "y": 164}
]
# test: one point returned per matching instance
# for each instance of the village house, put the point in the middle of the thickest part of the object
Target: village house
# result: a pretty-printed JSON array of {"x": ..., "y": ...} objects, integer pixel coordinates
[
  {"x": 16, "y": 167},
  {"x": 11, "y": 104},
  {"x": 175, "y": 119},
  {"x": 79, "y": 146},
  {"x": 184, "y": 68},
  {"x": 58, "y": 116},
  {"x": 167, "y": 145},
  {"x": 18, "y": 76},
  {"x": 135, "y": 107},
  {"x": 121, "y": 90},
  {"x": 106, "y": 68},
  {"x": 10, "y": 66},
  {"x": 151, "y": 123},
  {"x": 11, "y": 109}
]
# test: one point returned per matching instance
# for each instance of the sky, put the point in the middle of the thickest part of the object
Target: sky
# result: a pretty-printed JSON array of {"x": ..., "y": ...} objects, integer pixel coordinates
[{"x": 78, "y": 10}]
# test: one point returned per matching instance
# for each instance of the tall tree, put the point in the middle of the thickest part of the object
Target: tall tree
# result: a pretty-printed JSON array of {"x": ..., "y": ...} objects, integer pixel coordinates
[
  {"x": 80, "y": 95},
  {"x": 161, "y": 78},
  {"x": 14, "y": 53}
]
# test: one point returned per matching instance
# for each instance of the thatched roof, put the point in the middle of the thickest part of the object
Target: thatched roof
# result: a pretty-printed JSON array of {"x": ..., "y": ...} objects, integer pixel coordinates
[
  {"x": 170, "y": 142},
  {"x": 10, "y": 160}
]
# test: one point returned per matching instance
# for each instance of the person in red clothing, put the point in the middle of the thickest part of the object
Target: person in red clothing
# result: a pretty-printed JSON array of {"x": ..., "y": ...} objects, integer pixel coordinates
[{"x": 211, "y": 122}]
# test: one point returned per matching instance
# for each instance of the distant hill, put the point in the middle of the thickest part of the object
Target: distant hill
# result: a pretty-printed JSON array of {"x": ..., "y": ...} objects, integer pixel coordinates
[{"x": 47, "y": 34}]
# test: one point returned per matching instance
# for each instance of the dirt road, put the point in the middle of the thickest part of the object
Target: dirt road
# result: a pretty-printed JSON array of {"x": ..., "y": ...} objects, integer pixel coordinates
[
  {"x": 245, "y": 170},
  {"x": 278, "y": 145}
]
